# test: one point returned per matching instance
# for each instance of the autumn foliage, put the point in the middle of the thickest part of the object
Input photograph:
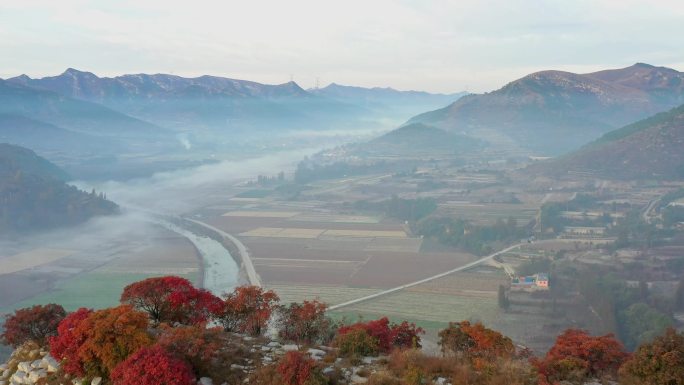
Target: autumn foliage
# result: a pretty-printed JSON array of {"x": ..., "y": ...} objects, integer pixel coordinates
[
  {"x": 660, "y": 362},
  {"x": 153, "y": 366},
  {"x": 247, "y": 310},
  {"x": 171, "y": 299},
  {"x": 65, "y": 345},
  {"x": 295, "y": 368},
  {"x": 36, "y": 324},
  {"x": 474, "y": 341},
  {"x": 386, "y": 335},
  {"x": 195, "y": 344},
  {"x": 93, "y": 343},
  {"x": 576, "y": 355},
  {"x": 305, "y": 322}
]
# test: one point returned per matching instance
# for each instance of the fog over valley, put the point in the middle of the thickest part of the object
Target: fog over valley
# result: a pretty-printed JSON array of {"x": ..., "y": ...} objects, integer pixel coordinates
[{"x": 308, "y": 193}]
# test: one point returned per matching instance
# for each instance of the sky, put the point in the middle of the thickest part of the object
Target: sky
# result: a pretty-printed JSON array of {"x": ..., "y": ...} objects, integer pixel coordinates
[{"x": 432, "y": 45}]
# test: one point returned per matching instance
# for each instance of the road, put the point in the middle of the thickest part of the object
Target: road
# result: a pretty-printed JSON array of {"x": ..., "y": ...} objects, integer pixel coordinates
[
  {"x": 648, "y": 209},
  {"x": 425, "y": 280},
  {"x": 252, "y": 275}
]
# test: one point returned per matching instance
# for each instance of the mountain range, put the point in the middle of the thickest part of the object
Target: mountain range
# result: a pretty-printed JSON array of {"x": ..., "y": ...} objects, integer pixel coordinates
[
  {"x": 387, "y": 101},
  {"x": 553, "y": 112},
  {"x": 652, "y": 148}
]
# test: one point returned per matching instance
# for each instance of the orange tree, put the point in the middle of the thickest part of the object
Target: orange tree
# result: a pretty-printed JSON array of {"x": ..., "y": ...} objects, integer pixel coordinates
[
  {"x": 576, "y": 355},
  {"x": 296, "y": 368},
  {"x": 93, "y": 343},
  {"x": 660, "y": 362},
  {"x": 171, "y": 299},
  {"x": 388, "y": 336},
  {"x": 247, "y": 310},
  {"x": 36, "y": 324}
]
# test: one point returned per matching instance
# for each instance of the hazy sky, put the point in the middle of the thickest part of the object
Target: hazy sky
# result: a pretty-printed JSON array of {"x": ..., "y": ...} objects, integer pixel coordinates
[{"x": 432, "y": 45}]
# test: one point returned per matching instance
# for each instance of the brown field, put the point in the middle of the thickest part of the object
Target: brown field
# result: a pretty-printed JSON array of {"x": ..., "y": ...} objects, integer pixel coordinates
[{"x": 30, "y": 259}]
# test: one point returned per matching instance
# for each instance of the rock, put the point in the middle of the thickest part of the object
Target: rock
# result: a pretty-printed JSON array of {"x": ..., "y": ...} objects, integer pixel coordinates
[
  {"x": 205, "y": 381},
  {"x": 24, "y": 367},
  {"x": 441, "y": 381},
  {"x": 357, "y": 379},
  {"x": 96, "y": 381},
  {"x": 36, "y": 364},
  {"x": 316, "y": 352},
  {"x": 290, "y": 348},
  {"x": 265, "y": 349},
  {"x": 369, "y": 360},
  {"x": 328, "y": 370},
  {"x": 273, "y": 344},
  {"x": 36, "y": 375},
  {"x": 19, "y": 377},
  {"x": 50, "y": 364}
]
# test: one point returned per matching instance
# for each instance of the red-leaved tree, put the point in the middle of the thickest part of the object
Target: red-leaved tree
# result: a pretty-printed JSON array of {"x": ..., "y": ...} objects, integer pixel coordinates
[
  {"x": 577, "y": 355},
  {"x": 171, "y": 299},
  {"x": 388, "y": 336},
  {"x": 65, "y": 345},
  {"x": 247, "y": 310},
  {"x": 475, "y": 341},
  {"x": 93, "y": 343},
  {"x": 305, "y": 322},
  {"x": 36, "y": 324},
  {"x": 153, "y": 366}
]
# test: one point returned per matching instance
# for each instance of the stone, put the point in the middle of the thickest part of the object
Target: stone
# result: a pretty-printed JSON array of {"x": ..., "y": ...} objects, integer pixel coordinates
[
  {"x": 19, "y": 377},
  {"x": 36, "y": 375},
  {"x": 290, "y": 348},
  {"x": 358, "y": 379},
  {"x": 24, "y": 366},
  {"x": 316, "y": 352},
  {"x": 36, "y": 364},
  {"x": 205, "y": 381},
  {"x": 369, "y": 360},
  {"x": 441, "y": 381},
  {"x": 96, "y": 381},
  {"x": 273, "y": 344}
]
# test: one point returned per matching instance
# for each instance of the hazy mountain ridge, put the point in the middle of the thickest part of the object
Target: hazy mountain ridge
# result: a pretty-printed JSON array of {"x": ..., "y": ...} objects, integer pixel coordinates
[
  {"x": 76, "y": 115},
  {"x": 650, "y": 148},
  {"x": 211, "y": 102},
  {"x": 541, "y": 107},
  {"x": 384, "y": 99},
  {"x": 33, "y": 194}
]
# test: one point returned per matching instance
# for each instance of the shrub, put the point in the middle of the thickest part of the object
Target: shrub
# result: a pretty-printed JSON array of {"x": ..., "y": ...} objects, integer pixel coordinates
[
  {"x": 475, "y": 341},
  {"x": 404, "y": 335},
  {"x": 171, "y": 299},
  {"x": 64, "y": 346},
  {"x": 356, "y": 343},
  {"x": 153, "y": 366},
  {"x": 36, "y": 324},
  {"x": 660, "y": 362},
  {"x": 93, "y": 343},
  {"x": 194, "y": 344},
  {"x": 305, "y": 323},
  {"x": 577, "y": 355},
  {"x": 296, "y": 368},
  {"x": 247, "y": 310}
]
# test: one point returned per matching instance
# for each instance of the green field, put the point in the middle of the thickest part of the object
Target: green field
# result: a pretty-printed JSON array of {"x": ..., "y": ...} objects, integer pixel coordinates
[{"x": 94, "y": 289}]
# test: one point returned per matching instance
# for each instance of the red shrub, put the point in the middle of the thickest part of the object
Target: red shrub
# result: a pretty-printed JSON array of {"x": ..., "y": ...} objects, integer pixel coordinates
[
  {"x": 153, "y": 366},
  {"x": 305, "y": 322},
  {"x": 93, "y": 343},
  {"x": 247, "y": 310},
  {"x": 576, "y": 351},
  {"x": 475, "y": 341},
  {"x": 295, "y": 368},
  {"x": 171, "y": 299},
  {"x": 194, "y": 344},
  {"x": 404, "y": 335},
  {"x": 35, "y": 324},
  {"x": 64, "y": 346}
]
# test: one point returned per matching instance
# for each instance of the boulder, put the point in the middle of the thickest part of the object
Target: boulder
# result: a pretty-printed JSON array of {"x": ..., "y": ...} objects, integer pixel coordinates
[
  {"x": 205, "y": 381},
  {"x": 290, "y": 348},
  {"x": 96, "y": 381}
]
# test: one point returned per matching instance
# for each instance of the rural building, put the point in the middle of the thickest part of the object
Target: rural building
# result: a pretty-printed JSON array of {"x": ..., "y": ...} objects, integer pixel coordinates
[
  {"x": 584, "y": 231},
  {"x": 539, "y": 281}
]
